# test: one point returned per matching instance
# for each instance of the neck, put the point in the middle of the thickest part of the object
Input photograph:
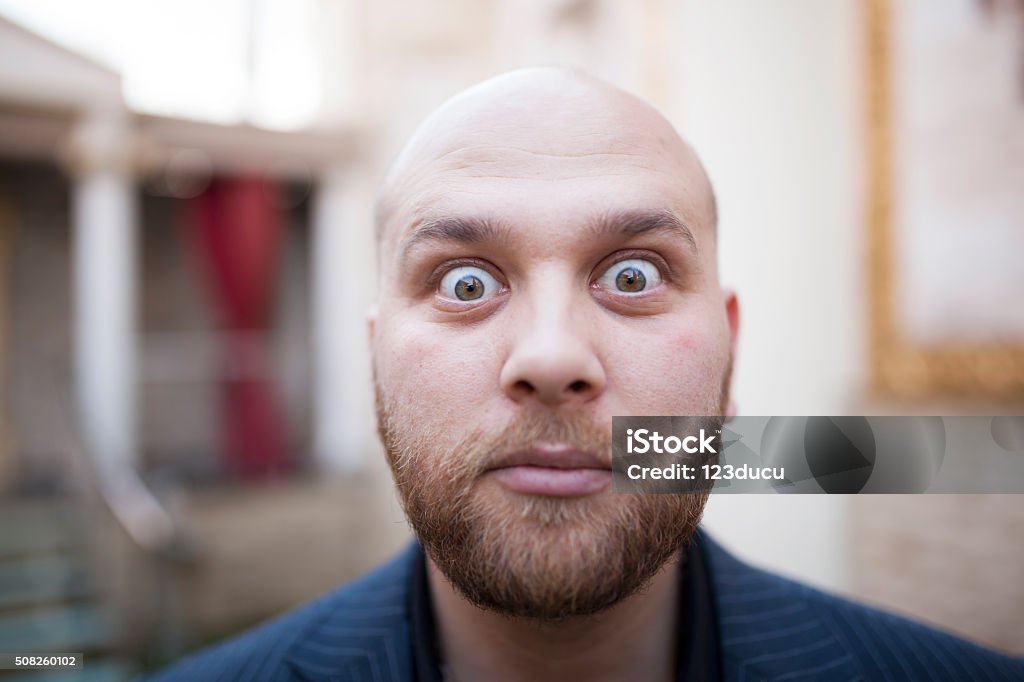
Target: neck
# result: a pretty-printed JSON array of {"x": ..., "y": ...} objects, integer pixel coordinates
[{"x": 635, "y": 639}]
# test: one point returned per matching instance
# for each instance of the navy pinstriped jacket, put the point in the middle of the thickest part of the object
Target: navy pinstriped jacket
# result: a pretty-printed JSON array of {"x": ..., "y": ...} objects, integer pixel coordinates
[{"x": 770, "y": 629}]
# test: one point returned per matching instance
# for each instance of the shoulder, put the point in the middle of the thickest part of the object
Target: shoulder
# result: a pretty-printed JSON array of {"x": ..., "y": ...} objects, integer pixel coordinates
[
  {"x": 267, "y": 651},
  {"x": 773, "y": 628}
]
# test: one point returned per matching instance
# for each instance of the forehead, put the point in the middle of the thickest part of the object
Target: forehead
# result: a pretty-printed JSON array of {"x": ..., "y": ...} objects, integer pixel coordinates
[
  {"x": 544, "y": 151},
  {"x": 555, "y": 185}
]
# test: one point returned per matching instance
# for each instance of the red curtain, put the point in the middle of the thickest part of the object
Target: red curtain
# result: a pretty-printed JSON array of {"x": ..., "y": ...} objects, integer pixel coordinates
[{"x": 235, "y": 230}]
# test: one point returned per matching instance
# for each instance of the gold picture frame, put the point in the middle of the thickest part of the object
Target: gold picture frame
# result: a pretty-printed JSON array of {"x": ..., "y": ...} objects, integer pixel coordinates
[{"x": 900, "y": 368}]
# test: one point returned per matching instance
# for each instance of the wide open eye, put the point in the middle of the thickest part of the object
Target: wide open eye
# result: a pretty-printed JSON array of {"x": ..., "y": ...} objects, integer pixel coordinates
[
  {"x": 468, "y": 284},
  {"x": 631, "y": 276}
]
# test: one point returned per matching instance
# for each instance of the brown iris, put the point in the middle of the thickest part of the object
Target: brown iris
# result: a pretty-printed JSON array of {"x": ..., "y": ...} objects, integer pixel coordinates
[
  {"x": 630, "y": 280},
  {"x": 469, "y": 288}
]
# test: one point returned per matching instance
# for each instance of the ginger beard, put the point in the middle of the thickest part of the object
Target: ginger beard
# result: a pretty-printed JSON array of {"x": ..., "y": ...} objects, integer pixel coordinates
[{"x": 532, "y": 556}]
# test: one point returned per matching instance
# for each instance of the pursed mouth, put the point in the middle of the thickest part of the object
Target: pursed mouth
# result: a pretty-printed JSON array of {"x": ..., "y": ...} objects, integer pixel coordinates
[
  {"x": 559, "y": 471},
  {"x": 553, "y": 457}
]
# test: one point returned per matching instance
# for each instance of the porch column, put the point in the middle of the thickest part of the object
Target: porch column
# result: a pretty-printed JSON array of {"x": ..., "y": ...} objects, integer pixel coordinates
[{"x": 103, "y": 216}]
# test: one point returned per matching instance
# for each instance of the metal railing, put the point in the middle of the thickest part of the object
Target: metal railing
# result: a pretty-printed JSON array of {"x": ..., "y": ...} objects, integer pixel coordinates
[{"x": 159, "y": 541}]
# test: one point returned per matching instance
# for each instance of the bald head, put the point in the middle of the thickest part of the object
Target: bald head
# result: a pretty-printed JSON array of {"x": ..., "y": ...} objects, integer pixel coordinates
[{"x": 532, "y": 124}]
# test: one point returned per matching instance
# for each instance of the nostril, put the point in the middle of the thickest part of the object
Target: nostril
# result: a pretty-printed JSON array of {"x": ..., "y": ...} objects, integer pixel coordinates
[
  {"x": 578, "y": 386},
  {"x": 523, "y": 386}
]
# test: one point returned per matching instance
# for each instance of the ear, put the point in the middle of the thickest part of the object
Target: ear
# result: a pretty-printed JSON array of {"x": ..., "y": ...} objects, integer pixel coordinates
[
  {"x": 371, "y": 322},
  {"x": 732, "y": 316}
]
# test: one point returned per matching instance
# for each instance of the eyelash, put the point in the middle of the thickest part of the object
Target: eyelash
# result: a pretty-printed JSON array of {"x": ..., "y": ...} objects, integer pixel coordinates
[
  {"x": 620, "y": 257},
  {"x": 434, "y": 280}
]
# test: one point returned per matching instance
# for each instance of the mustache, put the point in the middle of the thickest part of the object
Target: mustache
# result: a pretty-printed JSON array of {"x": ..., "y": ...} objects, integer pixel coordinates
[{"x": 577, "y": 430}]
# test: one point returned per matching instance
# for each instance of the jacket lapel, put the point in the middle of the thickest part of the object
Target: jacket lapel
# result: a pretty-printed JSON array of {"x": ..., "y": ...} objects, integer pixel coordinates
[
  {"x": 770, "y": 627},
  {"x": 363, "y": 633}
]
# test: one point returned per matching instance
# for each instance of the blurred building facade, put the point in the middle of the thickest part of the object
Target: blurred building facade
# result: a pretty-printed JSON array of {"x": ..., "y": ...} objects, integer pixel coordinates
[
  {"x": 133, "y": 351},
  {"x": 160, "y": 277}
]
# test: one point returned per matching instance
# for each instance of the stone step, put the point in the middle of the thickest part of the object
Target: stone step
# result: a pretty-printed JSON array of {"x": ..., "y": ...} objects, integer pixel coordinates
[
  {"x": 43, "y": 579},
  {"x": 71, "y": 628},
  {"x": 36, "y": 527}
]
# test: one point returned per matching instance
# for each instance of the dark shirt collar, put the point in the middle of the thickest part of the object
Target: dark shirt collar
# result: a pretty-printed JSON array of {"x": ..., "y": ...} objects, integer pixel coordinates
[{"x": 699, "y": 655}]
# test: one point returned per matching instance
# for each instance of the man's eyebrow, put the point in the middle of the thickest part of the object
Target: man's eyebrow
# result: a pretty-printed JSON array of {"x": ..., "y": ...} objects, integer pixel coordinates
[
  {"x": 465, "y": 230},
  {"x": 633, "y": 223},
  {"x": 474, "y": 230}
]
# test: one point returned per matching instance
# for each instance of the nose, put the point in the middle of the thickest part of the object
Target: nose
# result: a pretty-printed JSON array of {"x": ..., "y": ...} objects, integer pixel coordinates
[{"x": 553, "y": 361}]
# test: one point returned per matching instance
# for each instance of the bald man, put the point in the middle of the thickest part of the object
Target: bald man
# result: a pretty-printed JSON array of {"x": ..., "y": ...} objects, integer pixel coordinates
[{"x": 547, "y": 259}]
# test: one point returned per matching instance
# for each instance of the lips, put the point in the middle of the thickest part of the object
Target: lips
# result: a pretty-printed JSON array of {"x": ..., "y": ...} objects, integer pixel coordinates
[{"x": 557, "y": 470}]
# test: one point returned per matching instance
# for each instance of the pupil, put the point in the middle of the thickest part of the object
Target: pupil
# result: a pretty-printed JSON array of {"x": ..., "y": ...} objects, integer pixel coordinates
[
  {"x": 630, "y": 279},
  {"x": 469, "y": 288}
]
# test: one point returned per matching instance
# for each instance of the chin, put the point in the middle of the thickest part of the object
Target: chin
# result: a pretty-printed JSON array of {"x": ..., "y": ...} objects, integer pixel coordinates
[
  {"x": 544, "y": 512},
  {"x": 553, "y": 558}
]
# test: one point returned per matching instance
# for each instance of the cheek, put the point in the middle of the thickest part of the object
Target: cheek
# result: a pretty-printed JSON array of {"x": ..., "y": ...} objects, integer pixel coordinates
[
  {"x": 677, "y": 370},
  {"x": 437, "y": 376}
]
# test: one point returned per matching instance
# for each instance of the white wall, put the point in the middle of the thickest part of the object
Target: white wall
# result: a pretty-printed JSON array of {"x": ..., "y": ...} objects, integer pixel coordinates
[{"x": 769, "y": 97}]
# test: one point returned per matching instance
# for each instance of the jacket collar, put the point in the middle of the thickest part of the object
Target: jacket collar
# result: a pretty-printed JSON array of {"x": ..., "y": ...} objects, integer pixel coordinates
[
  {"x": 765, "y": 623},
  {"x": 769, "y": 626},
  {"x": 363, "y": 630}
]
